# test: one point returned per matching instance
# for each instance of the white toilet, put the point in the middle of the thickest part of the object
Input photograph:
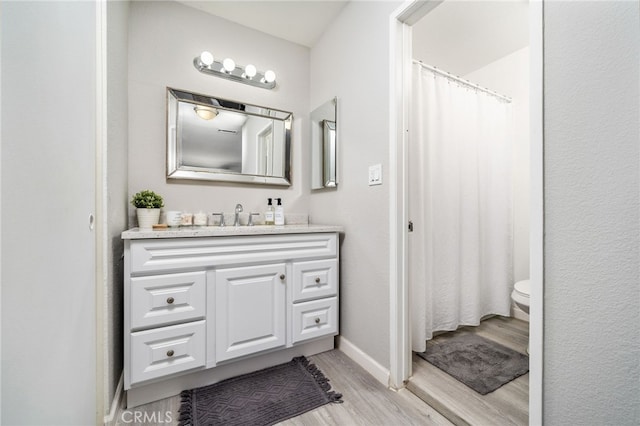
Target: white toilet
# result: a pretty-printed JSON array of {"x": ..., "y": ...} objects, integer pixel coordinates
[{"x": 520, "y": 295}]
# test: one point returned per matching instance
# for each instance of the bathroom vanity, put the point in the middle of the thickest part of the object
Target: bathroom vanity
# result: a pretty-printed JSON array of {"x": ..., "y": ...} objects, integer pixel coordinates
[{"x": 205, "y": 304}]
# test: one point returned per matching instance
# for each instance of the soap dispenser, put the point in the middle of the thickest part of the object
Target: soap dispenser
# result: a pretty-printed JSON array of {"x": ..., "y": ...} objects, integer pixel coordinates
[
  {"x": 269, "y": 215},
  {"x": 279, "y": 213}
]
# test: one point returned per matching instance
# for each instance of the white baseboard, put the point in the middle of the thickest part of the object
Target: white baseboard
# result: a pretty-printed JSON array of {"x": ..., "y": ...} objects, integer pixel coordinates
[
  {"x": 117, "y": 404},
  {"x": 365, "y": 361}
]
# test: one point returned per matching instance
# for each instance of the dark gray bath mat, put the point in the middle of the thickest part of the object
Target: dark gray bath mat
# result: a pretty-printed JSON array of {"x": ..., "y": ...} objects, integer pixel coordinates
[
  {"x": 264, "y": 397},
  {"x": 479, "y": 363}
]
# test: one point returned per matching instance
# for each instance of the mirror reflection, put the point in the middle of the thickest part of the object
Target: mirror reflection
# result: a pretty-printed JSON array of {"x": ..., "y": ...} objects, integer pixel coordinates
[
  {"x": 217, "y": 139},
  {"x": 324, "y": 154}
]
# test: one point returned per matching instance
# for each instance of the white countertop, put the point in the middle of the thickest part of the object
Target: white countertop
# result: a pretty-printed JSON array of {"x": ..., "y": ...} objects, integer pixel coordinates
[{"x": 227, "y": 231}]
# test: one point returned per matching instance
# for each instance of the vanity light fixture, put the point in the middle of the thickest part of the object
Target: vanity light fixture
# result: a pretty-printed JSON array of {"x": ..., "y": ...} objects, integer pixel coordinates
[
  {"x": 206, "y": 113},
  {"x": 205, "y": 63}
]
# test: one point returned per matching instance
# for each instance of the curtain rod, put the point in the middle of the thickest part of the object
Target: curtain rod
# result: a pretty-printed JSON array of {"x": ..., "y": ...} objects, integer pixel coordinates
[{"x": 462, "y": 80}]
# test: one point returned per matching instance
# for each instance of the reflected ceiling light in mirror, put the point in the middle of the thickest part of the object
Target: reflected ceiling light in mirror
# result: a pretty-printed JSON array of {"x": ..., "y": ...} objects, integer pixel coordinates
[
  {"x": 205, "y": 63},
  {"x": 206, "y": 113}
]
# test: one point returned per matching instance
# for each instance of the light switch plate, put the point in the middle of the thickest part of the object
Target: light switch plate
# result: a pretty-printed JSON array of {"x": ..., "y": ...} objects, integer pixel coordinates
[{"x": 375, "y": 174}]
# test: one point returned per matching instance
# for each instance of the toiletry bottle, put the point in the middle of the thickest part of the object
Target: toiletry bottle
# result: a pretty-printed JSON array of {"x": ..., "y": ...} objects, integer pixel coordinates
[
  {"x": 269, "y": 215},
  {"x": 279, "y": 214},
  {"x": 200, "y": 218}
]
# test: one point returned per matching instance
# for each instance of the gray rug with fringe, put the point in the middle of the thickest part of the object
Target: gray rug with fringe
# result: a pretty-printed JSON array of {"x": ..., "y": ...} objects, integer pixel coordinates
[
  {"x": 481, "y": 364},
  {"x": 263, "y": 397}
]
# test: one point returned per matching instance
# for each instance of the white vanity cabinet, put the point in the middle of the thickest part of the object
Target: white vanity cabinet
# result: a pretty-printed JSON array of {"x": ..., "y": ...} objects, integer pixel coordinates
[{"x": 201, "y": 308}]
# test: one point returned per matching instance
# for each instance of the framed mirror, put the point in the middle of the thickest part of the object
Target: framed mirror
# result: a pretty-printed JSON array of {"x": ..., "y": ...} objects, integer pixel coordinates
[
  {"x": 324, "y": 148},
  {"x": 210, "y": 138}
]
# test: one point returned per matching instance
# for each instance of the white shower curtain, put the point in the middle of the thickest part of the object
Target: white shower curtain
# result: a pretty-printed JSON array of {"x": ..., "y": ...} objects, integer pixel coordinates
[{"x": 460, "y": 155}]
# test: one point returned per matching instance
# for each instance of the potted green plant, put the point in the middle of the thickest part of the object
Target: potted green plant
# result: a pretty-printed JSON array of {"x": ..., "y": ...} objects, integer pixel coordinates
[{"x": 147, "y": 204}]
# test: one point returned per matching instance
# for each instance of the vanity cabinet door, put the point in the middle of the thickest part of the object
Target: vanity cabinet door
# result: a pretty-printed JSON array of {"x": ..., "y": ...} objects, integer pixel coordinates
[{"x": 249, "y": 310}]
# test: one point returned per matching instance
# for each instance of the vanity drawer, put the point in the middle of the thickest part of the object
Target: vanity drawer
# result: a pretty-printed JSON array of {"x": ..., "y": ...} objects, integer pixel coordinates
[
  {"x": 167, "y": 350},
  {"x": 315, "y": 279},
  {"x": 173, "y": 255},
  {"x": 166, "y": 299},
  {"x": 315, "y": 319}
]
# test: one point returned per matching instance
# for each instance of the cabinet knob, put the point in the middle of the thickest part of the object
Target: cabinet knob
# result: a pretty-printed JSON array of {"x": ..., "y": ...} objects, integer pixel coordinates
[
  {"x": 282, "y": 277},
  {"x": 170, "y": 300},
  {"x": 318, "y": 280},
  {"x": 170, "y": 353},
  {"x": 317, "y": 320}
]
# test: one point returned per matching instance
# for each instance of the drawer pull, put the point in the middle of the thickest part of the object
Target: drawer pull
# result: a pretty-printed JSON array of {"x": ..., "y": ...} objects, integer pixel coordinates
[
  {"x": 282, "y": 277},
  {"x": 170, "y": 353},
  {"x": 318, "y": 280},
  {"x": 170, "y": 300},
  {"x": 317, "y": 320}
]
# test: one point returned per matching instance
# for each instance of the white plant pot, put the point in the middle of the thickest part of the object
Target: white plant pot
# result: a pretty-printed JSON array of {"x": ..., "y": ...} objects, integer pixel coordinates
[{"x": 147, "y": 218}]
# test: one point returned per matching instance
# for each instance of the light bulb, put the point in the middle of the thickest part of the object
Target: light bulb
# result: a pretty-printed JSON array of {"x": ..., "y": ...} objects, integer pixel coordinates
[
  {"x": 206, "y": 58},
  {"x": 250, "y": 71},
  {"x": 229, "y": 65},
  {"x": 269, "y": 76}
]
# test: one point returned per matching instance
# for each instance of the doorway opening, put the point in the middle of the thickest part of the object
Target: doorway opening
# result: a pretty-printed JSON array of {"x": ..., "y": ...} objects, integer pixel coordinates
[{"x": 487, "y": 64}]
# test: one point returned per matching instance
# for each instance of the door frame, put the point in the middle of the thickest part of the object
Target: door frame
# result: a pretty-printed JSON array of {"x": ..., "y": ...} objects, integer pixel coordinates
[
  {"x": 399, "y": 89},
  {"x": 104, "y": 411}
]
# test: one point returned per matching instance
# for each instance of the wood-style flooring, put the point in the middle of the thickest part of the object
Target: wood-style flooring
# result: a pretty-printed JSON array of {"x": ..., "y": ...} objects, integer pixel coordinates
[
  {"x": 507, "y": 405},
  {"x": 366, "y": 401}
]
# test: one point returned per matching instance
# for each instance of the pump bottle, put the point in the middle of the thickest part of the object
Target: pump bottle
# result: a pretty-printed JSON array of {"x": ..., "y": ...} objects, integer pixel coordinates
[
  {"x": 269, "y": 215},
  {"x": 279, "y": 213}
]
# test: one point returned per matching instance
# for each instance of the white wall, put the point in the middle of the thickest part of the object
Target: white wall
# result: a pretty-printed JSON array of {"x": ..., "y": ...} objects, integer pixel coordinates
[
  {"x": 164, "y": 39},
  {"x": 48, "y": 57},
  {"x": 591, "y": 154},
  {"x": 358, "y": 41},
  {"x": 510, "y": 76}
]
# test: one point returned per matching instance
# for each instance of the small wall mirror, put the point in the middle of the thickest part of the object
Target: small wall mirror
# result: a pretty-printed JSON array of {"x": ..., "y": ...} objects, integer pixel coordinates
[
  {"x": 216, "y": 139},
  {"x": 324, "y": 154}
]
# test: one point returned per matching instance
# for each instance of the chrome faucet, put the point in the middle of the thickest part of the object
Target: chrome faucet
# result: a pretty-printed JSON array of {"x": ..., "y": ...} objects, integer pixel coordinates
[{"x": 236, "y": 222}]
